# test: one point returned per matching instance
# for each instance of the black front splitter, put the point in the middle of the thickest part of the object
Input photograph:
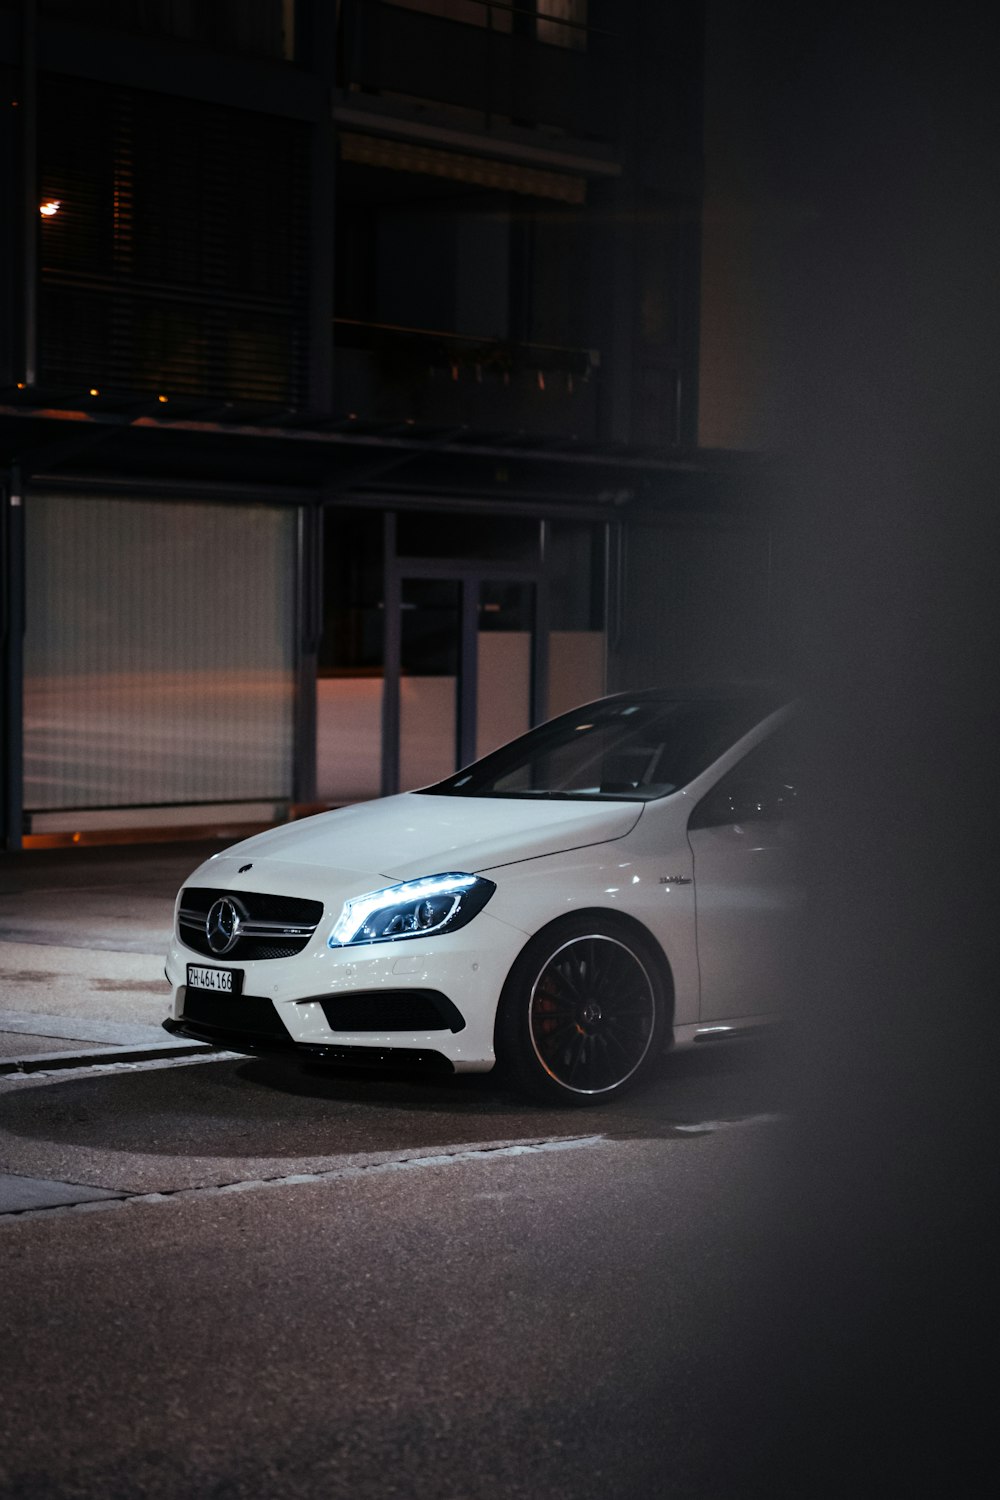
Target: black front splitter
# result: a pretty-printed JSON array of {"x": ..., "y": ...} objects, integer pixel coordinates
[{"x": 352, "y": 1057}]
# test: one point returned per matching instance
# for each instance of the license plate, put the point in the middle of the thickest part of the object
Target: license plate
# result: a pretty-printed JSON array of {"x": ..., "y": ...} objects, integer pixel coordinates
[{"x": 222, "y": 981}]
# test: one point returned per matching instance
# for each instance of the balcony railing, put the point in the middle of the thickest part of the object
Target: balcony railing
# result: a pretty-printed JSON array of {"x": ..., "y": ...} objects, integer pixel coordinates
[{"x": 388, "y": 371}]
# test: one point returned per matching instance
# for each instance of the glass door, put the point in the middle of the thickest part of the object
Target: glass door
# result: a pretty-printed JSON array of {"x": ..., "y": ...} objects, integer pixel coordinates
[
  {"x": 464, "y": 672},
  {"x": 446, "y": 634}
]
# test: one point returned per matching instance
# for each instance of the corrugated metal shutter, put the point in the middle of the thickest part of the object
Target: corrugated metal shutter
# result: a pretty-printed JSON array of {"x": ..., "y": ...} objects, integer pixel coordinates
[
  {"x": 159, "y": 653},
  {"x": 176, "y": 260}
]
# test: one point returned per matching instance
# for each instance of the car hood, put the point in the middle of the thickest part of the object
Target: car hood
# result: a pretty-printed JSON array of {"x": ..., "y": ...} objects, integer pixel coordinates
[{"x": 402, "y": 837}]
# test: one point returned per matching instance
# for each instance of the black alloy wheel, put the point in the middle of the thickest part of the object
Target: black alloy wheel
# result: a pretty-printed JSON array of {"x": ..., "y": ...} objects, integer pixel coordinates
[{"x": 582, "y": 1012}]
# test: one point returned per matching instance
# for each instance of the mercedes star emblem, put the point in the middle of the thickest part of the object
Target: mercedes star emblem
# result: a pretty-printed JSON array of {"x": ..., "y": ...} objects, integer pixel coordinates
[{"x": 222, "y": 926}]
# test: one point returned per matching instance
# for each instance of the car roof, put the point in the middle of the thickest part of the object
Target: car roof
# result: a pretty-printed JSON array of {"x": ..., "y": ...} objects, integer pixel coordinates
[{"x": 770, "y": 695}]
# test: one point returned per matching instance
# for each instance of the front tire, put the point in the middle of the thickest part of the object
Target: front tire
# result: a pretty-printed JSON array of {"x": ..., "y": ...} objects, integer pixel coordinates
[{"x": 582, "y": 1012}]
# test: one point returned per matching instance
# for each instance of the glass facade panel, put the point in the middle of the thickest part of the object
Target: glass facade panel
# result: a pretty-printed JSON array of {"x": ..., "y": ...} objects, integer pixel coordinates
[
  {"x": 503, "y": 663},
  {"x": 159, "y": 653},
  {"x": 576, "y": 614},
  {"x": 430, "y": 631},
  {"x": 348, "y": 738},
  {"x": 352, "y": 592},
  {"x": 351, "y": 659}
]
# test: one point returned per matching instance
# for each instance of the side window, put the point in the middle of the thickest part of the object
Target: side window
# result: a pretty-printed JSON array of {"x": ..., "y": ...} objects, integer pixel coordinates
[{"x": 762, "y": 788}]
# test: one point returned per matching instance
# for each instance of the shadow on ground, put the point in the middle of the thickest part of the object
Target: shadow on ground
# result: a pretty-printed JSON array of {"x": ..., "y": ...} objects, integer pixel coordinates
[{"x": 279, "y": 1111}]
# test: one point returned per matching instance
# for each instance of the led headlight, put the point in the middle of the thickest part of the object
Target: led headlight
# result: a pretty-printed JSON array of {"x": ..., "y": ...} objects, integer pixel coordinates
[{"x": 417, "y": 908}]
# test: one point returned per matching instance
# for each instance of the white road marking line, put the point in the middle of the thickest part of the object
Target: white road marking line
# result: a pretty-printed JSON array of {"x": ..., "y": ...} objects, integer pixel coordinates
[
  {"x": 335, "y": 1174},
  {"x": 149, "y": 1065},
  {"x": 708, "y": 1127},
  {"x": 400, "y": 1164}
]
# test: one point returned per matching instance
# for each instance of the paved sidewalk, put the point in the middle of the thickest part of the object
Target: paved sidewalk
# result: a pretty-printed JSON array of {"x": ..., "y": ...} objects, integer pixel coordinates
[{"x": 83, "y": 934}]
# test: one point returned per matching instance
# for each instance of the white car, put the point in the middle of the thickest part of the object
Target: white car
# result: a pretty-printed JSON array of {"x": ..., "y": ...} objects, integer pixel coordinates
[{"x": 618, "y": 880}]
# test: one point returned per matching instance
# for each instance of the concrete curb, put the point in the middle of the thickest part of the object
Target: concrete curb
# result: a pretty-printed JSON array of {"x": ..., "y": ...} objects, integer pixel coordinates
[{"x": 48, "y": 1062}]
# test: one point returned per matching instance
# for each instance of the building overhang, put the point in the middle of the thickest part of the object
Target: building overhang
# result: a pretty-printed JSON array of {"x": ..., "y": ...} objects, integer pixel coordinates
[
  {"x": 358, "y": 461},
  {"x": 419, "y": 125}
]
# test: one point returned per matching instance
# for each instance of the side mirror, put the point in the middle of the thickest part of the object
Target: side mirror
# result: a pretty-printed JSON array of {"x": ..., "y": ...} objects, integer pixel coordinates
[{"x": 743, "y": 802}]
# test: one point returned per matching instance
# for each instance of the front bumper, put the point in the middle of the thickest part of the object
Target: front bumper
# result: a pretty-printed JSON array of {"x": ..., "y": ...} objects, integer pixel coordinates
[{"x": 424, "y": 1001}]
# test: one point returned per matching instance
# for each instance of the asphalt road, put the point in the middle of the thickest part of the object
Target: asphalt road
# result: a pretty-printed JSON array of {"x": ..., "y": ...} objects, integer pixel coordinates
[
  {"x": 226, "y": 1278},
  {"x": 83, "y": 934},
  {"x": 295, "y": 1283}
]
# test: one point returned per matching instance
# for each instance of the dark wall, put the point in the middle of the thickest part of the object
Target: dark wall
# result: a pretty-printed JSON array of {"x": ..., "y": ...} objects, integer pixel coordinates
[
  {"x": 876, "y": 1289},
  {"x": 696, "y": 605}
]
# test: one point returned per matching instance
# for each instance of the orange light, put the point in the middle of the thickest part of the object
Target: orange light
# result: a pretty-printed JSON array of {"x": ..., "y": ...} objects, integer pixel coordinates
[
  {"x": 50, "y": 207},
  {"x": 21, "y": 385},
  {"x": 163, "y": 398},
  {"x": 94, "y": 391}
]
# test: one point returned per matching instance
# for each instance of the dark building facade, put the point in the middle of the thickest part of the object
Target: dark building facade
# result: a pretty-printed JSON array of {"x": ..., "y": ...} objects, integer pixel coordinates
[{"x": 349, "y": 386}]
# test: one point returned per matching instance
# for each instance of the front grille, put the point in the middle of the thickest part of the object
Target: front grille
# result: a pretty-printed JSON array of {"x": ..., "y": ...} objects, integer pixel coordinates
[
  {"x": 270, "y": 926},
  {"x": 244, "y": 1014}
]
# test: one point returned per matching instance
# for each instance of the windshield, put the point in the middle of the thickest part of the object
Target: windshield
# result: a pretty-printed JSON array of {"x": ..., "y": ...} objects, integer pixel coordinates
[{"x": 633, "y": 747}]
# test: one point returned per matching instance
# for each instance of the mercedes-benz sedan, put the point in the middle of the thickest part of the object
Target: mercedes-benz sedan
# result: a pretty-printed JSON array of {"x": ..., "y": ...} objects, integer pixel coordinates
[{"x": 618, "y": 880}]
